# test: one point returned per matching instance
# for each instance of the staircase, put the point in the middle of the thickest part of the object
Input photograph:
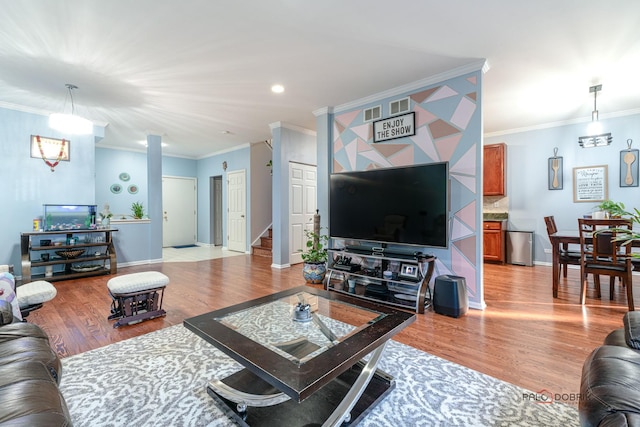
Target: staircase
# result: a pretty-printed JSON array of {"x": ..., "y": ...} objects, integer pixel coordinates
[{"x": 264, "y": 248}]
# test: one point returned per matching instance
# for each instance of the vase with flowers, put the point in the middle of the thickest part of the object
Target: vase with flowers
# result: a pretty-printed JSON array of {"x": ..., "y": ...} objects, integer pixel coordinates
[{"x": 105, "y": 217}]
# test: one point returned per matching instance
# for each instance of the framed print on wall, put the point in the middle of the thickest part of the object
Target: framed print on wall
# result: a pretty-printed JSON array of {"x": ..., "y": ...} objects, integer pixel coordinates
[
  {"x": 590, "y": 183},
  {"x": 51, "y": 150},
  {"x": 629, "y": 168},
  {"x": 555, "y": 173}
]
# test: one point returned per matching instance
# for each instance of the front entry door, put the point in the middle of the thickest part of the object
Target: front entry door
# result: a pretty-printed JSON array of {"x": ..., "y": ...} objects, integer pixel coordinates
[
  {"x": 178, "y": 211},
  {"x": 302, "y": 206},
  {"x": 237, "y": 206}
]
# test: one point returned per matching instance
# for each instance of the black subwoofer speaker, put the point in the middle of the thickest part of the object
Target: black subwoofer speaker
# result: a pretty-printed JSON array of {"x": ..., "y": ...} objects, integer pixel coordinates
[{"x": 450, "y": 296}]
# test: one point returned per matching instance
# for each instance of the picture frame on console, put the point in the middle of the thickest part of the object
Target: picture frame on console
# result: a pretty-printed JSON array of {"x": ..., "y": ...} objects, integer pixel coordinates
[{"x": 409, "y": 271}]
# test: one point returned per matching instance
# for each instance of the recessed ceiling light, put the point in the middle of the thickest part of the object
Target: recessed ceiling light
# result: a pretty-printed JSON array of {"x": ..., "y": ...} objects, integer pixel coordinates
[
  {"x": 225, "y": 132},
  {"x": 277, "y": 88}
]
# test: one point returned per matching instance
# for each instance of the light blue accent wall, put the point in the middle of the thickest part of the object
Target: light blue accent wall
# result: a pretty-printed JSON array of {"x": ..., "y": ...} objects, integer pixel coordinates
[
  {"x": 324, "y": 136},
  {"x": 177, "y": 166},
  {"x": 132, "y": 243},
  {"x": 212, "y": 166},
  {"x": 289, "y": 145},
  {"x": 110, "y": 164},
  {"x": 154, "y": 204},
  {"x": 27, "y": 183},
  {"x": 530, "y": 200}
]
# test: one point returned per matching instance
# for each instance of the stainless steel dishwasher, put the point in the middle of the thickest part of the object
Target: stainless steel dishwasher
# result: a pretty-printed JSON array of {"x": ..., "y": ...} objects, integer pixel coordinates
[{"x": 520, "y": 247}]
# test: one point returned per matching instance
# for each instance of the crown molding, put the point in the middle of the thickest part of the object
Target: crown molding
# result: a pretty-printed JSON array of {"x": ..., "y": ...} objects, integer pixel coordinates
[
  {"x": 227, "y": 150},
  {"x": 293, "y": 127},
  {"x": 420, "y": 84},
  {"x": 24, "y": 109},
  {"x": 568, "y": 122},
  {"x": 323, "y": 111}
]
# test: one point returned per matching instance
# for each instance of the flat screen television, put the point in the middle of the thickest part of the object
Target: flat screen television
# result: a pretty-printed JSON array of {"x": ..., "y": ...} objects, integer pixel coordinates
[{"x": 407, "y": 205}]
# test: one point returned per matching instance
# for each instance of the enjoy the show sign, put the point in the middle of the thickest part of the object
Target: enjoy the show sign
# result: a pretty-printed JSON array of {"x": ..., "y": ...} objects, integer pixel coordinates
[{"x": 394, "y": 127}]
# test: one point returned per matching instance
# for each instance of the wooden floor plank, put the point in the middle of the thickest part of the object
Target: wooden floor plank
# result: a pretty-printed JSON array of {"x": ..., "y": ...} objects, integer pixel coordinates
[{"x": 524, "y": 336}]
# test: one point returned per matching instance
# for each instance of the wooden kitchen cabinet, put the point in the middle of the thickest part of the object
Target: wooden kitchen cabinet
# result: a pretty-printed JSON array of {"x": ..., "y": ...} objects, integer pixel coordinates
[
  {"x": 494, "y": 170},
  {"x": 494, "y": 241}
]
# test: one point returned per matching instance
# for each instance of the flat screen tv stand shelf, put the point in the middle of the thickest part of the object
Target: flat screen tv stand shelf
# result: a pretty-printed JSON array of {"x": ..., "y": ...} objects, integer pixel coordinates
[
  {"x": 99, "y": 255},
  {"x": 367, "y": 268}
]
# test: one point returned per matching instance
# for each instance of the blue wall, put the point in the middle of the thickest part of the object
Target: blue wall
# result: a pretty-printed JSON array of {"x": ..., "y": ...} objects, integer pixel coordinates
[
  {"x": 110, "y": 163},
  {"x": 239, "y": 159},
  {"x": 290, "y": 144},
  {"x": 178, "y": 166},
  {"x": 27, "y": 183},
  {"x": 528, "y": 152}
]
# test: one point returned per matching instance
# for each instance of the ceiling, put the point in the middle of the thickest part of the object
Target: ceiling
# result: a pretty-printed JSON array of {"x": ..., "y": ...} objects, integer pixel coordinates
[{"x": 199, "y": 72}]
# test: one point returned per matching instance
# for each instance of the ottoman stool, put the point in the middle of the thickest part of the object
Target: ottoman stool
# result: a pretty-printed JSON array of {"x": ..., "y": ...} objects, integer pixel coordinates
[
  {"x": 24, "y": 298},
  {"x": 137, "y": 297},
  {"x": 32, "y": 295}
]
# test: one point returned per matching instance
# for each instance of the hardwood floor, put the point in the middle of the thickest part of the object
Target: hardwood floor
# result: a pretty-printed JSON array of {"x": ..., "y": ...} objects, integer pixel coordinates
[{"x": 524, "y": 336}]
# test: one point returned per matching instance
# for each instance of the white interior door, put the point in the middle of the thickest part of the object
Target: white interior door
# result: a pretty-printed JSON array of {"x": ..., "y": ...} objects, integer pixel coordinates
[
  {"x": 179, "y": 209},
  {"x": 237, "y": 206},
  {"x": 302, "y": 206}
]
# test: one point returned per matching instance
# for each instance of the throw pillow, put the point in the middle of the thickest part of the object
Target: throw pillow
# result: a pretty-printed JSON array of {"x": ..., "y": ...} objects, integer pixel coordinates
[{"x": 7, "y": 293}]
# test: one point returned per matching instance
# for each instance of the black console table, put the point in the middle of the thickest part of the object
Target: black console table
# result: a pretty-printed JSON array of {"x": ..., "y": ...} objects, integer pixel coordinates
[
  {"x": 407, "y": 288},
  {"x": 84, "y": 253}
]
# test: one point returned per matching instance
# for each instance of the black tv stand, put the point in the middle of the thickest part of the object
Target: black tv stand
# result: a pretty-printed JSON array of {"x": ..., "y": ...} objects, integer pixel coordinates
[
  {"x": 366, "y": 266},
  {"x": 382, "y": 251}
]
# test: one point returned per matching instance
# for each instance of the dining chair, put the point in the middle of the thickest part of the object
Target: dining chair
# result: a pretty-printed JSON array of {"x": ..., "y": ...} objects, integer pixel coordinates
[
  {"x": 567, "y": 257},
  {"x": 602, "y": 254}
]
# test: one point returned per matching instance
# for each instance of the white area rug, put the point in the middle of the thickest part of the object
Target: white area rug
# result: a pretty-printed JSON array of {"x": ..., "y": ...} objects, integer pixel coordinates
[{"x": 160, "y": 379}]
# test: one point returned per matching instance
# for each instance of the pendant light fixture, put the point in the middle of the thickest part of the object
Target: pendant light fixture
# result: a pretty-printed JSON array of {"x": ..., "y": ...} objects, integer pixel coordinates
[
  {"x": 595, "y": 137},
  {"x": 70, "y": 123}
]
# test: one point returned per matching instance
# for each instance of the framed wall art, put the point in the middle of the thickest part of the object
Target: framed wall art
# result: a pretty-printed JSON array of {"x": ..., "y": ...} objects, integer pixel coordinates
[
  {"x": 629, "y": 166},
  {"x": 50, "y": 148},
  {"x": 590, "y": 183},
  {"x": 555, "y": 175},
  {"x": 52, "y": 151}
]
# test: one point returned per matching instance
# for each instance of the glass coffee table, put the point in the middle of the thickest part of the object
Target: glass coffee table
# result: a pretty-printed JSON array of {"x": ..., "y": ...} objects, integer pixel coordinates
[{"x": 303, "y": 352}]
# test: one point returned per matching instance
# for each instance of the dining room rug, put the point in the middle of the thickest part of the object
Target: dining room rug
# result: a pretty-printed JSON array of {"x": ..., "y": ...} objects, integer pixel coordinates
[{"x": 160, "y": 379}]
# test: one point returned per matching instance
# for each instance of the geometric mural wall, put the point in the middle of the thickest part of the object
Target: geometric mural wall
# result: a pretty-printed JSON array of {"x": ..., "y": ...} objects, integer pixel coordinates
[{"x": 448, "y": 128}]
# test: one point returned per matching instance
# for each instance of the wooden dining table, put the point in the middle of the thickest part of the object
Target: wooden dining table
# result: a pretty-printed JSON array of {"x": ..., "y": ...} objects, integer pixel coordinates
[{"x": 560, "y": 240}]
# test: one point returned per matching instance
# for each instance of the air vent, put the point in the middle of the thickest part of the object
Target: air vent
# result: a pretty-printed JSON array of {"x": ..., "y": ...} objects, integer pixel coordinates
[
  {"x": 398, "y": 107},
  {"x": 373, "y": 113}
]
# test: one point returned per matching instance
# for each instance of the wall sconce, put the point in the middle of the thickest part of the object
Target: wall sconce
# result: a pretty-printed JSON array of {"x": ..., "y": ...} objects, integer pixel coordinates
[
  {"x": 595, "y": 138},
  {"x": 224, "y": 165}
]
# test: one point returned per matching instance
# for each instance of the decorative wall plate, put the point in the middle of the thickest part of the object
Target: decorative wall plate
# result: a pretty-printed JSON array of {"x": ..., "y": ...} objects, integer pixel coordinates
[
  {"x": 133, "y": 189},
  {"x": 116, "y": 188},
  {"x": 124, "y": 176}
]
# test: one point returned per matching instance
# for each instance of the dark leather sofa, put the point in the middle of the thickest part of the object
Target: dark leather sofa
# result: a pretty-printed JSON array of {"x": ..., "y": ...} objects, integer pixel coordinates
[
  {"x": 610, "y": 386},
  {"x": 30, "y": 372}
]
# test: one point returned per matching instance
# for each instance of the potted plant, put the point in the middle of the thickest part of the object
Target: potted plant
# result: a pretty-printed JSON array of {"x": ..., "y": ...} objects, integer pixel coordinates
[
  {"x": 632, "y": 236},
  {"x": 315, "y": 257},
  {"x": 137, "y": 210},
  {"x": 612, "y": 209}
]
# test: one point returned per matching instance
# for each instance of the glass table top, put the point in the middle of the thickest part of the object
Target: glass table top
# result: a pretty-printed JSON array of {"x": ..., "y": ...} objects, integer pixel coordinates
[
  {"x": 300, "y": 339},
  {"x": 301, "y": 326}
]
